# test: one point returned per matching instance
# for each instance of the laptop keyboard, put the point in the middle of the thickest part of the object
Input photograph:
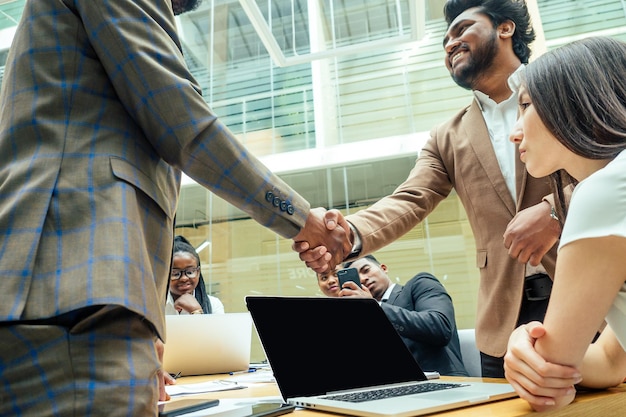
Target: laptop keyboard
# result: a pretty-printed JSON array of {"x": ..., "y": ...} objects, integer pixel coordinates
[{"x": 381, "y": 394}]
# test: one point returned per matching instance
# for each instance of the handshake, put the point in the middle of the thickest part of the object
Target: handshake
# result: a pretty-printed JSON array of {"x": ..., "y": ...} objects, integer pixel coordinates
[{"x": 324, "y": 241}]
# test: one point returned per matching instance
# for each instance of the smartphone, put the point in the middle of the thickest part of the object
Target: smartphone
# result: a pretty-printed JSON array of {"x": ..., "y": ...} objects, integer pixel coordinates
[
  {"x": 176, "y": 408},
  {"x": 258, "y": 410},
  {"x": 348, "y": 274},
  {"x": 262, "y": 409},
  {"x": 270, "y": 409}
]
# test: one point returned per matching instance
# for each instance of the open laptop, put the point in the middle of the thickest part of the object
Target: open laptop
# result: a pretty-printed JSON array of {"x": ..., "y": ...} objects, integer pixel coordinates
[
  {"x": 203, "y": 344},
  {"x": 324, "y": 350}
]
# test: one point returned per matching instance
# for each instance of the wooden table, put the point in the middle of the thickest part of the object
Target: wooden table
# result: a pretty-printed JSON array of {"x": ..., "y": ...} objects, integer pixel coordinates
[{"x": 605, "y": 403}]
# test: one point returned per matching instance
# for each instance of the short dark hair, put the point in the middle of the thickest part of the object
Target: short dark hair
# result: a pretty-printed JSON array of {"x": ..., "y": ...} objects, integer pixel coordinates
[
  {"x": 498, "y": 12},
  {"x": 182, "y": 6},
  {"x": 370, "y": 257}
]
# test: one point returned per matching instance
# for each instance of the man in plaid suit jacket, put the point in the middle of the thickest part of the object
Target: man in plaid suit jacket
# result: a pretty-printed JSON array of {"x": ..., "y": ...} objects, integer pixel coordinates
[{"x": 99, "y": 115}]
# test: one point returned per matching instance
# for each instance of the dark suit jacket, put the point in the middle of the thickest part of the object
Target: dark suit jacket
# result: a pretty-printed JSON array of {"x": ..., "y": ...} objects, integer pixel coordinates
[
  {"x": 460, "y": 155},
  {"x": 423, "y": 314},
  {"x": 98, "y": 116}
]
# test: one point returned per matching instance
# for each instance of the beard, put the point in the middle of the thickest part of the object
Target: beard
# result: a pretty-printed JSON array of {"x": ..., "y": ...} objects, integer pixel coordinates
[
  {"x": 182, "y": 6},
  {"x": 479, "y": 61}
]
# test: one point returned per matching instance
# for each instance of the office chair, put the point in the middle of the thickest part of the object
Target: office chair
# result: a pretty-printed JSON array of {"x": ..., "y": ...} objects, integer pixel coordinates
[{"x": 469, "y": 352}]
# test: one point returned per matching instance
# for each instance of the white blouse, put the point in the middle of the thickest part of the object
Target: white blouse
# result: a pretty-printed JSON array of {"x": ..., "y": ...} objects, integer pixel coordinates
[{"x": 598, "y": 209}]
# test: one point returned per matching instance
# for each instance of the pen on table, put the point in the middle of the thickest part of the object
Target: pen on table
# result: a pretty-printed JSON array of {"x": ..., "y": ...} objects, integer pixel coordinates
[{"x": 243, "y": 372}]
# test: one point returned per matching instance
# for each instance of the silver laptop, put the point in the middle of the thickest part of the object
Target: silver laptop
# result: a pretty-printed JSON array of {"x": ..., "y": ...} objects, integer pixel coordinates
[
  {"x": 203, "y": 344},
  {"x": 330, "y": 353}
]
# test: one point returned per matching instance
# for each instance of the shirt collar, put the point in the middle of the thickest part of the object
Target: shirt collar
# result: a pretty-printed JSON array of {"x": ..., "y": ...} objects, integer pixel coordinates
[
  {"x": 513, "y": 81},
  {"x": 387, "y": 293}
]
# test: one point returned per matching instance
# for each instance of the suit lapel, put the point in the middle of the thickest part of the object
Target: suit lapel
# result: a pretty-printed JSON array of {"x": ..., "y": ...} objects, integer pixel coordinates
[
  {"x": 476, "y": 130},
  {"x": 397, "y": 289}
]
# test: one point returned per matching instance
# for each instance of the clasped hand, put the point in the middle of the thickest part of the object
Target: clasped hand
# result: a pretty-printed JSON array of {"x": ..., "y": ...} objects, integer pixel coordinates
[
  {"x": 324, "y": 241},
  {"x": 187, "y": 302},
  {"x": 531, "y": 234},
  {"x": 544, "y": 385}
]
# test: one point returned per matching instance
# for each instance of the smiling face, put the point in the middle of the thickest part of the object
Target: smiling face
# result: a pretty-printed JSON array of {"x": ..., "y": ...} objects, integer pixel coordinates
[
  {"x": 539, "y": 149},
  {"x": 184, "y": 285},
  {"x": 471, "y": 46},
  {"x": 329, "y": 283}
]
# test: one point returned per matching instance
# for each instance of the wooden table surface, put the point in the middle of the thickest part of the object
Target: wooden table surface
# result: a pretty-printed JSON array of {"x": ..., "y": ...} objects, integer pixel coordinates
[{"x": 605, "y": 403}]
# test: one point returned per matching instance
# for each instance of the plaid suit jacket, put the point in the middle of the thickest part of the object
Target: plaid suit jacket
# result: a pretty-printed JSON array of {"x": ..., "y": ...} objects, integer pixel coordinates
[{"x": 99, "y": 114}]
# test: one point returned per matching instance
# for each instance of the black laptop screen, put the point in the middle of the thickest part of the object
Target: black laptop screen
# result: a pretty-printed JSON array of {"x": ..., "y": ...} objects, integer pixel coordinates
[{"x": 318, "y": 345}]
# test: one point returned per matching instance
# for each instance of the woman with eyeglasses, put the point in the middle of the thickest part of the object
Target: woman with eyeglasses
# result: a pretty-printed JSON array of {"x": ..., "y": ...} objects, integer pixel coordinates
[{"x": 187, "y": 294}]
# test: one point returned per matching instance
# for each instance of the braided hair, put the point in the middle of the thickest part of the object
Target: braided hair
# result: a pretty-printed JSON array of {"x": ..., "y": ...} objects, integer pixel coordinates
[{"x": 181, "y": 244}]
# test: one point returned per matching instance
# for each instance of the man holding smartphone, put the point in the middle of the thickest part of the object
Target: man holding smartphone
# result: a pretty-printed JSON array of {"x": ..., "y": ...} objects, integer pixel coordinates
[{"x": 421, "y": 311}]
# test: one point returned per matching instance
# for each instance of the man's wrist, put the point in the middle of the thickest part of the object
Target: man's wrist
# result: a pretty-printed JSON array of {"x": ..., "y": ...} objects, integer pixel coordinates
[
  {"x": 198, "y": 311},
  {"x": 553, "y": 214},
  {"x": 356, "y": 241}
]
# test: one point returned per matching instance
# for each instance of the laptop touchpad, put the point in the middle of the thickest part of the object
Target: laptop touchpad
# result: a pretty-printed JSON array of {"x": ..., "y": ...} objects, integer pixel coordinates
[{"x": 454, "y": 395}]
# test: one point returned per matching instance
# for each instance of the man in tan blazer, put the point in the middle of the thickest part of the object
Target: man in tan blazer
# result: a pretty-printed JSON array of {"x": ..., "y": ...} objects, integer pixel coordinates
[
  {"x": 486, "y": 46},
  {"x": 98, "y": 117}
]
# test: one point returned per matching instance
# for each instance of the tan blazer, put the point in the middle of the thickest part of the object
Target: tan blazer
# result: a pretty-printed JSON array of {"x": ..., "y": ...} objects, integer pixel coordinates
[
  {"x": 459, "y": 154},
  {"x": 99, "y": 114}
]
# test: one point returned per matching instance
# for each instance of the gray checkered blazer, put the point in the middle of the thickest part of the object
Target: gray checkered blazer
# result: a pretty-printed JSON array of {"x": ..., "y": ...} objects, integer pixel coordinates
[{"x": 99, "y": 114}]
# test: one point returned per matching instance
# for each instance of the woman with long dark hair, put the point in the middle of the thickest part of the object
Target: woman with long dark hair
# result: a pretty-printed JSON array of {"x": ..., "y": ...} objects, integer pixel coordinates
[{"x": 572, "y": 126}]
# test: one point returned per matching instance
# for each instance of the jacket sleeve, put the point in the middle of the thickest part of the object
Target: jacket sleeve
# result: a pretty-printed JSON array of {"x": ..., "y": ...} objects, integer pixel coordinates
[
  {"x": 137, "y": 43},
  {"x": 426, "y": 186}
]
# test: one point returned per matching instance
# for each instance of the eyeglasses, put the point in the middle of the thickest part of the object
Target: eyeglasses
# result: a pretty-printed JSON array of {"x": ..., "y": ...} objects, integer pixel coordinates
[{"x": 189, "y": 273}]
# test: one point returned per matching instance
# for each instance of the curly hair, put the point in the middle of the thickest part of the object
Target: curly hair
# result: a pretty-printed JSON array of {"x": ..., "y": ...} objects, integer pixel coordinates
[{"x": 498, "y": 12}]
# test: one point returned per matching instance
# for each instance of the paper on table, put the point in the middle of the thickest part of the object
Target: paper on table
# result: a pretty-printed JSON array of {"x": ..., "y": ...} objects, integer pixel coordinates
[
  {"x": 201, "y": 387},
  {"x": 259, "y": 376}
]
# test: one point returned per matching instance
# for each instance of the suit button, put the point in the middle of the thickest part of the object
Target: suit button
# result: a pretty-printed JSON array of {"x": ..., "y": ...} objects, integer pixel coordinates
[
  {"x": 290, "y": 209},
  {"x": 276, "y": 202},
  {"x": 269, "y": 196}
]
